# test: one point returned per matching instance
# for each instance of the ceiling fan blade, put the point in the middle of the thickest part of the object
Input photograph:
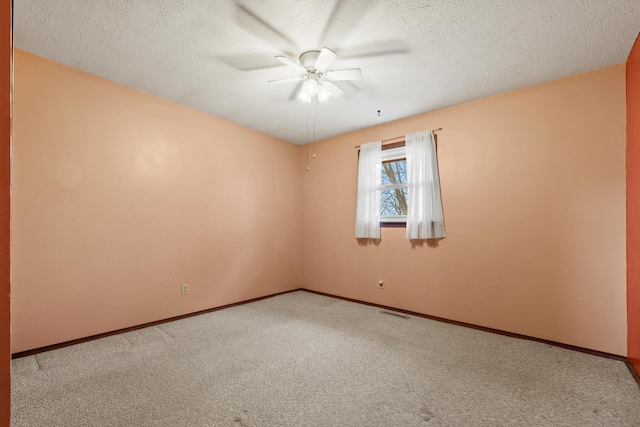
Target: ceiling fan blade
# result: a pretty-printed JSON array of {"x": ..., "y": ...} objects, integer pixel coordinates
[
  {"x": 325, "y": 59},
  {"x": 248, "y": 62},
  {"x": 291, "y": 79},
  {"x": 344, "y": 19},
  {"x": 350, "y": 74},
  {"x": 289, "y": 63},
  {"x": 251, "y": 22},
  {"x": 374, "y": 49},
  {"x": 335, "y": 91}
]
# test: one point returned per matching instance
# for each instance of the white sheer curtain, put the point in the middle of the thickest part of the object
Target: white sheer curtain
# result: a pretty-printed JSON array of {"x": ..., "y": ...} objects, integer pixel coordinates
[
  {"x": 369, "y": 181},
  {"x": 424, "y": 205}
]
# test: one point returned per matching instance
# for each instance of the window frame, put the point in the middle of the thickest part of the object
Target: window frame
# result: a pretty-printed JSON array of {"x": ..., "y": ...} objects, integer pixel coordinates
[{"x": 391, "y": 152}]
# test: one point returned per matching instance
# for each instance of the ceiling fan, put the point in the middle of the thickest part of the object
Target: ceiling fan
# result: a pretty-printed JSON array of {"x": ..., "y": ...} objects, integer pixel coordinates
[{"x": 313, "y": 67}]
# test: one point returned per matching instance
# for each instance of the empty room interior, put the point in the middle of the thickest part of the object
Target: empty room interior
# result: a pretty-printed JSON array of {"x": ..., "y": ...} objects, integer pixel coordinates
[{"x": 201, "y": 233}]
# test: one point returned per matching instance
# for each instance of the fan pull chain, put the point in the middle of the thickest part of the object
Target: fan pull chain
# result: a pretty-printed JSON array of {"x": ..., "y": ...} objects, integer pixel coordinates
[
  {"x": 314, "y": 127},
  {"x": 307, "y": 144}
]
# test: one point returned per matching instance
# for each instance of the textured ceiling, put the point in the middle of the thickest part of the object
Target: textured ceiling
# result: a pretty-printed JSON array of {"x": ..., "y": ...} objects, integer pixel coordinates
[{"x": 216, "y": 56}]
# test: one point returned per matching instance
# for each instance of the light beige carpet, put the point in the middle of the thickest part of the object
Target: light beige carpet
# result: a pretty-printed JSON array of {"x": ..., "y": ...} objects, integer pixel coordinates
[{"x": 302, "y": 359}]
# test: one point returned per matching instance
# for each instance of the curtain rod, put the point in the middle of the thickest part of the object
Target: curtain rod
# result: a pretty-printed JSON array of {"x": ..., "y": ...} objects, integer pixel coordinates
[{"x": 396, "y": 137}]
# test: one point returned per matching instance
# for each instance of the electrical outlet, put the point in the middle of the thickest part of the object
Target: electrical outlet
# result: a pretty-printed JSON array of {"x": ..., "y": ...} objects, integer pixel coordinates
[
  {"x": 185, "y": 289},
  {"x": 381, "y": 284}
]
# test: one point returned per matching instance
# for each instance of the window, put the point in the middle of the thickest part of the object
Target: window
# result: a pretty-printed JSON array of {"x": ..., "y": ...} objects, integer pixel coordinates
[
  {"x": 400, "y": 186},
  {"x": 394, "y": 191}
]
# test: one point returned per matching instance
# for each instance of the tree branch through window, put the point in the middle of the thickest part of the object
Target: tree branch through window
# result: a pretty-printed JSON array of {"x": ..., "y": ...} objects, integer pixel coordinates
[{"x": 394, "y": 188}]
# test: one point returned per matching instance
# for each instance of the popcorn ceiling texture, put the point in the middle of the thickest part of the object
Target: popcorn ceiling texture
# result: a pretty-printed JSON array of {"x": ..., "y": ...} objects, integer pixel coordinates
[{"x": 416, "y": 56}]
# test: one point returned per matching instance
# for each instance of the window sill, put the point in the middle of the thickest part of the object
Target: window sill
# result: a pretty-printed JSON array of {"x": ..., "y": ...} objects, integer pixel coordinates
[{"x": 393, "y": 225}]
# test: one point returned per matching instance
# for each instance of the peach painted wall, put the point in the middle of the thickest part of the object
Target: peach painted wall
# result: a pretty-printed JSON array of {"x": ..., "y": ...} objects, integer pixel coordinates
[
  {"x": 533, "y": 188},
  {"x": 5, "y": 212},
  {"x": 633, "y": 204},
  {"x": 120, "y": 197}
]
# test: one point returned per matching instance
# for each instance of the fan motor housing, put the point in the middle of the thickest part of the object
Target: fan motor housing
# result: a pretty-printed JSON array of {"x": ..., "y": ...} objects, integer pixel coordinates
[{"x": 308, "y": 59}]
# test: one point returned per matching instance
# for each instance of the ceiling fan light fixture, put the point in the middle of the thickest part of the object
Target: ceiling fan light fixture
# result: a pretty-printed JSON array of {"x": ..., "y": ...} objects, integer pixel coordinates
[
  {"x": 323, "y": 93},
  {"x": 304, "y": 96},
  {"x": 311, "y": 85}
]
